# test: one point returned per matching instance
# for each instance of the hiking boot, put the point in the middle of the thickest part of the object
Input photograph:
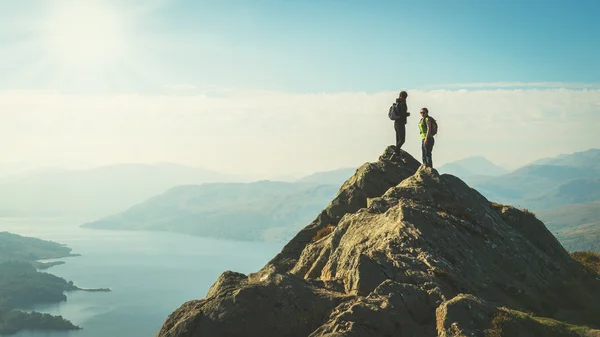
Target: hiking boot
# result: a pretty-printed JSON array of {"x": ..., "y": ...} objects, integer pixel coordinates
[{"x": 397, "y": 157}]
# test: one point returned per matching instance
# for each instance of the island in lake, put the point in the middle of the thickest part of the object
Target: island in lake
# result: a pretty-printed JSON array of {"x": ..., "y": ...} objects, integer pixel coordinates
[{"x": 22, "y": 285}]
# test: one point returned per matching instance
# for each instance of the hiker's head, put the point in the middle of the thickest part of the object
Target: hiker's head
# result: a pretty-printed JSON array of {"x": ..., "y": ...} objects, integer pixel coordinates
[
  {"x": 403, "y": 94},
  {"x": 424, "y": 112}
]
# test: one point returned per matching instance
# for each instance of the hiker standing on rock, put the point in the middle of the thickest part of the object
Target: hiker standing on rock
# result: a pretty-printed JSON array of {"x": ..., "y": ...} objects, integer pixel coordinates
[
  {"x": 427, "y": 129},
  {"x": 400, "y": 112}
]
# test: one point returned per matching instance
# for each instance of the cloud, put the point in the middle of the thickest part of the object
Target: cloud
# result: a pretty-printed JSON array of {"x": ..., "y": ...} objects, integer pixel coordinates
[
  {"x": 536, "y": 85},
  {"x": 273, "y": 133}
]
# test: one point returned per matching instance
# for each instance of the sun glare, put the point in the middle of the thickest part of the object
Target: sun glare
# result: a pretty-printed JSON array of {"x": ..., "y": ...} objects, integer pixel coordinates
[{"x": 85, "y": 33}]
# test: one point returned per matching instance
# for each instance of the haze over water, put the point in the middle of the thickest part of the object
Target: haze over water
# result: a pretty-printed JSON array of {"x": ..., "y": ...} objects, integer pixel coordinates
[{"x": 150, "y": 274}]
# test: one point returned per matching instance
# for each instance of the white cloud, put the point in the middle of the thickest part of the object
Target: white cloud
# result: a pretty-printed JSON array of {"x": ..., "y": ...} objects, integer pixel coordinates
[
  {"x": 537, "y": 85},
  {"x": 275, "y": 133}
]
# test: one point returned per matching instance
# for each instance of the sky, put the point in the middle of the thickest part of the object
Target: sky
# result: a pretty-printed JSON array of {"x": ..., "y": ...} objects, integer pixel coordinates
[{"x": 287, "y": 88}]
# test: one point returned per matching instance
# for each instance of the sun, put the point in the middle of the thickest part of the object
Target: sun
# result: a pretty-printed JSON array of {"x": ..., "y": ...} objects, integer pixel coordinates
[{"x": 85, "y": 34}]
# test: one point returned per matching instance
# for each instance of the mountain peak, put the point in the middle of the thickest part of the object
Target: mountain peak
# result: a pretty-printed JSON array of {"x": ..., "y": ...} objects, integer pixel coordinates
[
  {"x": 588, "y": 158},
  {"x": 400, "y": 248},
  {"x": 336, "y": 177},
  {"x": 473, "y": 166}
]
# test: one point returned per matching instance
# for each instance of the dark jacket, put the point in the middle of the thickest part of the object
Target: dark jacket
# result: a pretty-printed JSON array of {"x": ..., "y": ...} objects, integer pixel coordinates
[{"x": 401, "y": 109}]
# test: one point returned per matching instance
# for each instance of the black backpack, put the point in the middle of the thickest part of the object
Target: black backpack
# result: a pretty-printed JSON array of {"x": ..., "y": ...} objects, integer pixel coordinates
[{"x": 393, "y": 112}]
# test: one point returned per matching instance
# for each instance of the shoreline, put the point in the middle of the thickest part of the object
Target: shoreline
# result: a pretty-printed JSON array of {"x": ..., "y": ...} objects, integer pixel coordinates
[
  {"x": 47, "y": 265},
  {"x": 93, "y": 290},
  {"x": 44, "y": 260}
]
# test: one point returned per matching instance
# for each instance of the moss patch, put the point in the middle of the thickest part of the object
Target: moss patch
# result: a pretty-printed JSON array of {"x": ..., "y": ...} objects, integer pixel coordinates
[
  {"x": 323, "y": 232},
  {"x": 497, "y": 206},
  {"x": 527, "y": 211},
  {"x": 590, "y": 259},
  {"x": 509, "y": 322}
]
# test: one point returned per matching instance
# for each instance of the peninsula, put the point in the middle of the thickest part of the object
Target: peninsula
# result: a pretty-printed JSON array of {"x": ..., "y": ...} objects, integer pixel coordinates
[{"x": 22, "y": 285}]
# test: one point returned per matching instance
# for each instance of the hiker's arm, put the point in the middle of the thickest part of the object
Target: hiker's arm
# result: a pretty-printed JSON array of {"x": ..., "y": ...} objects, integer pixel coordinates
[{"x": 403, "y": 108}]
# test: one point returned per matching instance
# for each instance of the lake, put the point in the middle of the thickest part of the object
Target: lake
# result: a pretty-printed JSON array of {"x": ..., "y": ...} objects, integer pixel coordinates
[{"x": 150, "y": 274}]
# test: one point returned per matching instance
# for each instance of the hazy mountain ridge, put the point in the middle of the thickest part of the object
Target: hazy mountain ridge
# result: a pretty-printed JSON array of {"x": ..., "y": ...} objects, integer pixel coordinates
[
  {"x": 588, "y": 158},
  {"x": 571, "y": 192},
  {"x": 271, "y": 210},
  {"x": 263, "y": 210},
  {"x": 576, "y": 226},
  {"x": 532, "y": 181},
  {"x": 472, "y": 166},
  {"x": 333, "y": 177},
  {"x": 553, "y": 178}
]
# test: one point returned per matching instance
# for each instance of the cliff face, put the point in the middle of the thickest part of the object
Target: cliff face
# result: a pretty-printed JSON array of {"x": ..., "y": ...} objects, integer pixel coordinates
[{"x": 408, "y": 253}]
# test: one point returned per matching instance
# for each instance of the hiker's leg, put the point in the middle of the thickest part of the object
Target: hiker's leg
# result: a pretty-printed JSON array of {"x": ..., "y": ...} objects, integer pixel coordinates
[
  {"x": 430, "y": 144},
  {"x": 402, "y": 129},
  {"x": 399, "y": 137},
  {"x": 424, "y": 152}
]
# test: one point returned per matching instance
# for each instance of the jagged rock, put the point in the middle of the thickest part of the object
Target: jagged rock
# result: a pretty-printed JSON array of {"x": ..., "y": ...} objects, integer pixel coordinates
[
  {"x": 370, "y": 180},
  {"x": 263, "y": 304},
  {"x": 393, "y": 309},
  {"x": 464, "y": 315},
  {"x": 469, "y": 316},
  {"x": 410, "y": 253}
]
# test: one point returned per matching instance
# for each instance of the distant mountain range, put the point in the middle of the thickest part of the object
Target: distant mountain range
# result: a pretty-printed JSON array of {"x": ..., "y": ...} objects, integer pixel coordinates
[
  {"x": 576, "y": 226},
  {"x": 543, "y": 184},
  {"x": 268, "y": 210},
  {"x": 94, "y": 192},
  {"x": 533, "y": 186},
  {"x": 589, "y": 158},
  {"x": 472, "y": 166},
  {"x": 334, "y": 177},
  {"x": 196, "y": 201},
  {"x": 264, "y": 210}
]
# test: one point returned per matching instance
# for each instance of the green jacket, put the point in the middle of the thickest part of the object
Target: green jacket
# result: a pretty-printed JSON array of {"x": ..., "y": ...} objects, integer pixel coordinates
[{"x": 423, "y": 125}]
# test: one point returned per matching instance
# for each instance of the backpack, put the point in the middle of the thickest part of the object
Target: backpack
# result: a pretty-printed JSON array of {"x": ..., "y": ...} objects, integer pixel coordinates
[
  {"x": 393, "y": 112},
  {"x": 434, "y": 126}
]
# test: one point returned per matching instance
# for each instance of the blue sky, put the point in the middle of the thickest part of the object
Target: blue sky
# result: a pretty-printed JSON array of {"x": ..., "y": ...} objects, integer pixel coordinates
[
  {"x": 106, "y": 81},
  {"x": 368, "y": 45},
  {"x": 329, "y": 46}
]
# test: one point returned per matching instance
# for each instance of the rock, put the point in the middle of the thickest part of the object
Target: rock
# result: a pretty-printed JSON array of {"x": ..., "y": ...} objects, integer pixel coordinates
[
  {"x": 370, "y": 180},
  {"x": 469, "y": 316},
  {"x": 263, "y": 304},
  {"x": 407, "y": 252},
  {"x": 464, "y": 315}
]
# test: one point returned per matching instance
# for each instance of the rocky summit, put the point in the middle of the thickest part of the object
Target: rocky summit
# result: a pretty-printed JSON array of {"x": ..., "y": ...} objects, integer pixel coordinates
[{"x": 405, "y": 251}]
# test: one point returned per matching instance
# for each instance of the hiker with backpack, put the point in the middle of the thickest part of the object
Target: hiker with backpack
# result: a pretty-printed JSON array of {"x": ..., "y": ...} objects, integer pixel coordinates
[
  {"x": 427, "y": 129},
  {"x": 398, "y": 113}
]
